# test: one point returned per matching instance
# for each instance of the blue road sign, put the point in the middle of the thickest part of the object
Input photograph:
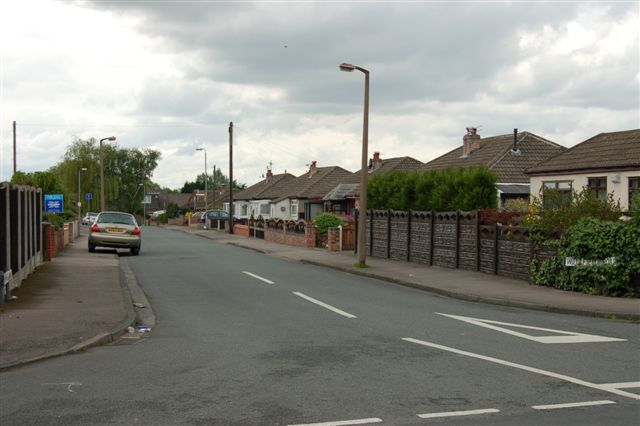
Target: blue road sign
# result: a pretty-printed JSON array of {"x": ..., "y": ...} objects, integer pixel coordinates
[
  {"x": 88, "y": 196},
  {"x": 54, "y": 203}
]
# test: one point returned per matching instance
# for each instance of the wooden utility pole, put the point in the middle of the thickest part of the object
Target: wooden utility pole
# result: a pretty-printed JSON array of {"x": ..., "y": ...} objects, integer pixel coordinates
[
  {"x": 15, "y": 163},
  {"x": 231, "y": 177}
]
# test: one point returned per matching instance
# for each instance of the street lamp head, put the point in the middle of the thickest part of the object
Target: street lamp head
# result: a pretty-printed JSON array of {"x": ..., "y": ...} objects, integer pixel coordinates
[
  {"x": 111, "y": 138},
  {"x": 347, "y": 67},
  {"x": 200, "y": 149},
  {"x": 84, "y": 169}
]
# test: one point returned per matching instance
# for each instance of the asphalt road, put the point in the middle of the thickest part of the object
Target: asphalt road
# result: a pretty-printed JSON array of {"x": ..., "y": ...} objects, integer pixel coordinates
[{"x": 247, "y": 339}]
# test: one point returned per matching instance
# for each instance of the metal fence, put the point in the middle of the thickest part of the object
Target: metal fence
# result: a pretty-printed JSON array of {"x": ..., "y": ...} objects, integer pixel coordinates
[
  {"x": 21, "y": 239},
  {"x": 454, "y": 239}
]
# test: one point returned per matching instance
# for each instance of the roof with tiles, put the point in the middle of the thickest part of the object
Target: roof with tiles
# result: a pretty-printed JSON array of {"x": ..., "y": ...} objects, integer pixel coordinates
[
  {"x": 315, "y": 183},
  {"x": 497, "y": 154},
  {"x": 614, "y": 150},
  {"x": 267, "y": 188},
  {"x": 397, "y": 164}
]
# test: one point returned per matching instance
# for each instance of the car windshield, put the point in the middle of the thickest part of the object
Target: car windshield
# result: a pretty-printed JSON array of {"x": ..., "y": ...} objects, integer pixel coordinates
[{"x": 121, "y": 218}]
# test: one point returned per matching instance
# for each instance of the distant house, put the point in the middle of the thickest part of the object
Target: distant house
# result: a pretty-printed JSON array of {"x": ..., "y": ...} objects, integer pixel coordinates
[
  {"x": 159, "y": 200},
  {"x": 256, "y": 200},
  {"x": 508, "y": 156},
  {"x": 343, "y": 198},
  {"x": 302, "y": 198},
  {"x": 608, "y": 163}
]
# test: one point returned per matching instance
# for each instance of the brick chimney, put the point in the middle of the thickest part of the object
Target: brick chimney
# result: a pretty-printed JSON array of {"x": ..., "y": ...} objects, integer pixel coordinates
[
  {"x": 471, "y": 141},
  {"x": 269, "y": 174},
  {"x": 313, "y": 168},
  {"x": 376, "y": 162}
]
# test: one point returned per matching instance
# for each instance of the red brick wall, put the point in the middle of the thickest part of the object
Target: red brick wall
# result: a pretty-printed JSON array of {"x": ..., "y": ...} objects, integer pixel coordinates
[
  {"x": 50, "y": 240},
  {"x": 242, "y": 230},
  {"x": 310, "y": 236},
  {"x": 283, "y": 237}
]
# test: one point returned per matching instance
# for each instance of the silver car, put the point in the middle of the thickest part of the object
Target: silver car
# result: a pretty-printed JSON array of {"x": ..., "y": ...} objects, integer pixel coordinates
[{"x": 116, "y": 230}]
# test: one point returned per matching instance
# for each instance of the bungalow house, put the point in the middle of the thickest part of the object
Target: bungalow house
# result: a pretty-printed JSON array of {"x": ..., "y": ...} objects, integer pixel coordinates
[
  {"x": 508, "y": 156},
  {"x": 256, "y": 200},
  {"x": 608, "y": 163},
  {"x": 343, "y": 198},
  {"x": 302, "y": 198}
]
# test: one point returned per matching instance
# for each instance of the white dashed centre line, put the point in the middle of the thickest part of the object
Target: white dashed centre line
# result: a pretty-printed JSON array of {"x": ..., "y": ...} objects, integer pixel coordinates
[
  {"x": 458, "y": 413},
  {"x": 344, "y": 422},
  {"x": 329, "y": 307},
  {"x": 526, "y": 368},
  {"x": 258, "y": 277},
  {"x": 572, "y": 405}
]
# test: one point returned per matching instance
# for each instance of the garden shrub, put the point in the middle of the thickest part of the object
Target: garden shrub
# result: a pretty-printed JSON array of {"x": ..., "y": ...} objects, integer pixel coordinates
[
  {"x": 592, "y": 239},
  {"x": 325, "y": 221},
  {"x": 56, "y": 220}
]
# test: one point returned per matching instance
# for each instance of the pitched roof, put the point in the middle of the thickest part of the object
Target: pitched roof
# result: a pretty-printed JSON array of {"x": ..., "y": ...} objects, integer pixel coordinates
[
  {"x": 266, "y": 189},
  {"x": 495, "y": 152},
  {"x": 397, "y": 164},
  {"x": 316, "y": 185},
  {"x": 614, "y": 150}
]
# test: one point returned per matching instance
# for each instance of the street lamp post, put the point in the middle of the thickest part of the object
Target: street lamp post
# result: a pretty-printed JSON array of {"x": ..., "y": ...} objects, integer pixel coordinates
[
  {"x": 206, "y": 203},
  {"x": 83, "y": 169},
  {"x": 144, "y": 203},
  {"x": 362, "y": 218},
  {"x": 110, "y": 138}
]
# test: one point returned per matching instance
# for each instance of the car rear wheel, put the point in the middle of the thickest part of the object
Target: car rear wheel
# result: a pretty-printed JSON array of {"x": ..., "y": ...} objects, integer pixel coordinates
[
  {"x": 92, "y": 248},
  {"x": 135, "y": 251}
]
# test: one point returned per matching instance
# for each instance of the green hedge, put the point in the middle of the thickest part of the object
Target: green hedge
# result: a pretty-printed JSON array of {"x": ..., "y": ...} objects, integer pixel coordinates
[
  {"x": 325, "y": 221},
  {"x": 440, "y": 190},
  {"x": 593, "y": 239}
]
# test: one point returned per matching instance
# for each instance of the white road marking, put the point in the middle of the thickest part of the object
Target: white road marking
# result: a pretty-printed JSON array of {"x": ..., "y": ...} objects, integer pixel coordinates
[
  {"x": 258, "y": 277},
  {"x": 458, "y": 413},
  {"x": 572, "y": 405},
  {"x": 344, "y": 422},
  {"x": 324, "y": 305},
  {"x": 69, "y": 384},
  {"x": 566, "y": 336},
  {"x": 526, "y": 368},
  {"x": 623, "y": 385}
]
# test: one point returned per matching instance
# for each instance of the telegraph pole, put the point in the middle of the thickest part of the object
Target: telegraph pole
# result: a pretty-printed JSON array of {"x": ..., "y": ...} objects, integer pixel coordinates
[
  {"x": 15, "y": 166},
  {"x": 231, "y": 177}
]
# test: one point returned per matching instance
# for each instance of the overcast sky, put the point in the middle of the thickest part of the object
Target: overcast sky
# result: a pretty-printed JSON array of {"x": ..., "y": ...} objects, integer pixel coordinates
[{"x": 171, "y": 75}]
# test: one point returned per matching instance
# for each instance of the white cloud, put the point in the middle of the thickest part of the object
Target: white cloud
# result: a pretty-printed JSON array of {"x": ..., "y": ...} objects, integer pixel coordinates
[{"x": 173, "y": 75}]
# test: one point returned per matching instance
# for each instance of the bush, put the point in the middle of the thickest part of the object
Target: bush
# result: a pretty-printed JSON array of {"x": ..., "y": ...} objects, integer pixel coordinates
[
  {"x": 592, "y": 239},
  {"x": 325, "y": 221},
  {"x": 162, "y": 218},
  {"x": 442, "y": 190},
  {"x": 553, "y": 213},
  {"x": 57, "y": 221},
  {"x": 173, "y": 210}
]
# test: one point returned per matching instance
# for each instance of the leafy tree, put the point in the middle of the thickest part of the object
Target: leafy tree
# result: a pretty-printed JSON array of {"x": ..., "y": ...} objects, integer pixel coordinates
[{"x": 214, "y": 180}]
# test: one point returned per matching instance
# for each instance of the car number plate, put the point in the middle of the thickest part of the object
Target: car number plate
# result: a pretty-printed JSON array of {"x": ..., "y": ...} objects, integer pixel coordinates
[{"x": 116, "y": 230}]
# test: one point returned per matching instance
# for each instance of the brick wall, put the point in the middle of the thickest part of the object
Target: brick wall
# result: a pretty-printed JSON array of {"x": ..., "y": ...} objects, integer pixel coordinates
[
  {"x": 283, "y": 237},
  {"x": 333, "y": 239},
  {"x": 242, "y": 230}
]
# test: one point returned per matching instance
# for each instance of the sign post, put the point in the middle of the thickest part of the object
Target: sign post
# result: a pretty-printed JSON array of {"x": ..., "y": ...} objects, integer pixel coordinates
[{"x": 54, "y": 203}]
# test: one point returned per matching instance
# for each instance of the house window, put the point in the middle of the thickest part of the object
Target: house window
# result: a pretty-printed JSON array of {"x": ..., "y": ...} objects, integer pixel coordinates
[
  {"x": 634, "y": 189},
  {"x": 294, "y": 208},
  {"x": 599, "y": 186},
  {"x": 556, "y": 194},
  {"x": 265, "y": 208},
  {"x": 243, "y": 210}
]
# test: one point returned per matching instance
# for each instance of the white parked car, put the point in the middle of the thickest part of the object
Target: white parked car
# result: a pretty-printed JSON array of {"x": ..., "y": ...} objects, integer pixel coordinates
[{"x": 89, "y": 218}]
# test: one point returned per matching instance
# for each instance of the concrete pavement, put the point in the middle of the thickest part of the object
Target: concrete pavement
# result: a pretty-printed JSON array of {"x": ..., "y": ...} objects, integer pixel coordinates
[{"x": 80, "y": 299}]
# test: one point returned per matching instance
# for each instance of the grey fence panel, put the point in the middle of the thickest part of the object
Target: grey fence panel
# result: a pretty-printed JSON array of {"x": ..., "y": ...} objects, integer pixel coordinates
[
  {"x": 468, "y": 240},
  {"x": 380, "y": 240},
  {"x": 420, "y": 241},
  {"x": 445, "y": 239},
  {"x": 488, "y": 248},
  {"x": 514, "y": 252},
  {"x": 398, "y": 234}
]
